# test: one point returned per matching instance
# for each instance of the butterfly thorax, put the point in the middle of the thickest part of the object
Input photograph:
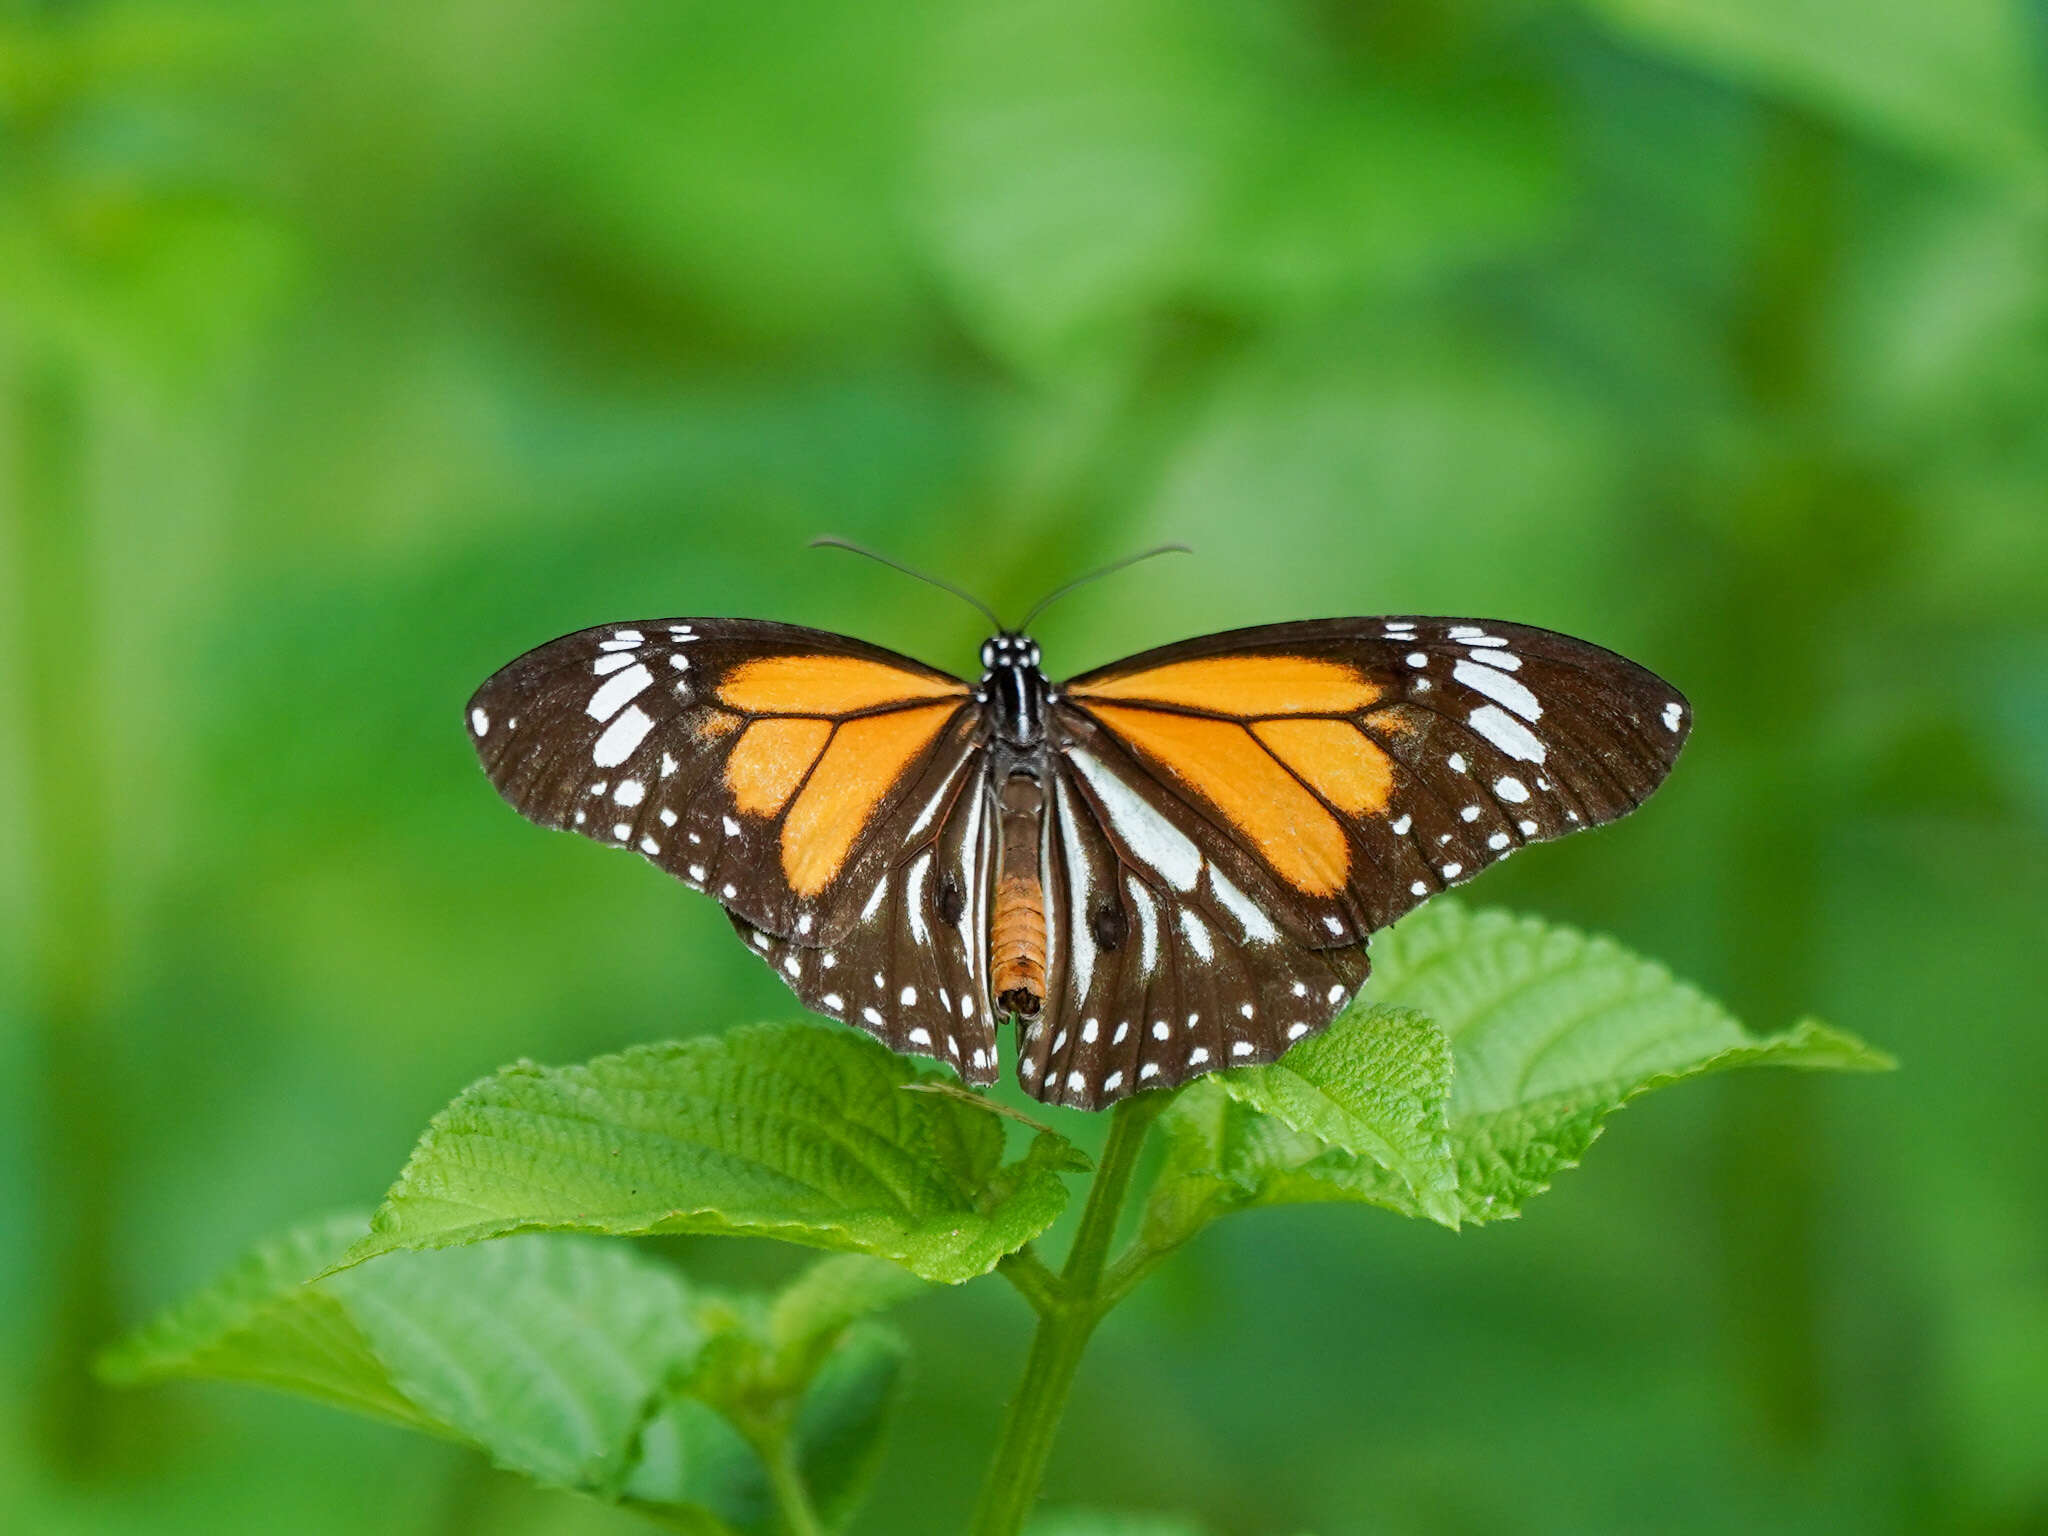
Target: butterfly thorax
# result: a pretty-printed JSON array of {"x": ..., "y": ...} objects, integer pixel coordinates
[{"x": 1014, "y": 690}]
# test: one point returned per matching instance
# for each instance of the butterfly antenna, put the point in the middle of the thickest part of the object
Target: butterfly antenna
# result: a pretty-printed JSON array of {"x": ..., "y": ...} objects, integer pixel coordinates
[
  {"x": 1059, "y": 592},
  {"x": 830, "y": 541}
]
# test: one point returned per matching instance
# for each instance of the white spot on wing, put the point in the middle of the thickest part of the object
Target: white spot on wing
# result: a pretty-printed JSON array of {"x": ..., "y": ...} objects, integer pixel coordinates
[
  {"x": 1507, "y": 661},
  {"x": 1149, "y": 835},
  {"x": 913, "y": 899},
  {"x": 1256, "y": 926},
  {"x": 1674, "y": 713},
  {"x": 1511, "y": 788},
  {"x": 920, "y": 1036},
  {"x": 1457, "y": 762},
  {"x": 1401, "y": 827},
  {"x": 649, "y": 846},
  {"x": 874, "y": 902},
  {"x": 1114, "y": 1081},
  {"x": 622, "y": 738},
  {"x": 1508, "y": 733},
  {"x": 617, "y": 692},
  {"x": 480, "y": 721},
  {"x": 629, "y": 792},
  {"x": 1148, "y": 924},
  {"x": 1081, "y": 962},
  {"x": 1197, "y": 935},
  {"x": 608, "y": 664},
  {"x": 1499, "y": 687}
]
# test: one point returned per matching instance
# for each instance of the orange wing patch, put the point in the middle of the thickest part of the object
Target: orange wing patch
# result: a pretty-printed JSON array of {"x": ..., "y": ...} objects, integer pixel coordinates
[
  {"x": 862, "y": 764},
  {"x": 1245, "y": 686},
  {"x": 770, "y": 760},
  {"x": 827, "y": 685},
  {"x": 1342, "y": 764},
  {"x": 1304, "y": 843}
]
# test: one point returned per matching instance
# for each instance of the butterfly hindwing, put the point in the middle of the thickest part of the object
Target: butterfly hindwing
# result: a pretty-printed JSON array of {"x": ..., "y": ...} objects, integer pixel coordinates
[
  {"x": 913, "y": 970},
  {"x": 1160, "y": 965}
]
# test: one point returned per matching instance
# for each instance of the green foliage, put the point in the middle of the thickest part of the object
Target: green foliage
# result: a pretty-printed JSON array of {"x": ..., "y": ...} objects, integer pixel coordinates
[
  {"x": 1373, "y": 1086},
  {"x": 799, "y": 1132},
  {"x": 579, "y": 1364},
  {"x": 1951, "y": 81},
  {"x": 1078, "y": 1522},
  {"x": 1489, "y": 1053},
  {"x": 1550, "y": 1031}
]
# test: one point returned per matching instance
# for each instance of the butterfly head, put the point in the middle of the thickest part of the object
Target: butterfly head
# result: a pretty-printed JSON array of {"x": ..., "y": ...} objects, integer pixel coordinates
[{"x": 1007, "y": 651}]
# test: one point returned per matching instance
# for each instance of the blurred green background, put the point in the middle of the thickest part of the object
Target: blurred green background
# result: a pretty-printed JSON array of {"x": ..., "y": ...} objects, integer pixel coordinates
[{"x": 348, "y": 350}]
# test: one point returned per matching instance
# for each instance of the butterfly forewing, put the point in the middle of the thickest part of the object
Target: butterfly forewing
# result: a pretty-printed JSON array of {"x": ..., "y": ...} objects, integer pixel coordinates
[{"x": 796, "y": 776}]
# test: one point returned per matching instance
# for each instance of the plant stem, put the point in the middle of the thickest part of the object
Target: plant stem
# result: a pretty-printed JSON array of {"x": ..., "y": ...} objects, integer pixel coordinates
[
  {"x": 1068, "y": 1313},
  {"x": 792, "y": 1499}
]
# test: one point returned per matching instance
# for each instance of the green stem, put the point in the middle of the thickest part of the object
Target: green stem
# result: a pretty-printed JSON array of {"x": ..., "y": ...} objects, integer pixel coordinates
[
  {"x": 792, "y": 1499},
  {"x": 1068, "y": 1313}
]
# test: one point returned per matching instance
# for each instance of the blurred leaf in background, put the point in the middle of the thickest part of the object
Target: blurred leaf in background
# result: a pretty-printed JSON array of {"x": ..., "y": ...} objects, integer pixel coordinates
[{"x": 346, "y": 351}]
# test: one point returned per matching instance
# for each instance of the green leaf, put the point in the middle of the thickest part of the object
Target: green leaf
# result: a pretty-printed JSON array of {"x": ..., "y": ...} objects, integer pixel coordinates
[
  {"x": 258, "y": 1323},
  {"x": 576, "y": 1363},
  {"x": 1374, "y": 1085},
  {"x": 548, "y": 1355},
  {"x": 1550, "y": 1032},
  {"x": 830, "y": 1297},
  {"x": 788, "y": 1131},
  {"x": 1955, "y": 82}
]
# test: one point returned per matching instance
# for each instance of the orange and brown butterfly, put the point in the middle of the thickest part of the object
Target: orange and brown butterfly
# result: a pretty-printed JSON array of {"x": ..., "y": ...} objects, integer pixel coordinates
[{"x": 1158, "y": 869}]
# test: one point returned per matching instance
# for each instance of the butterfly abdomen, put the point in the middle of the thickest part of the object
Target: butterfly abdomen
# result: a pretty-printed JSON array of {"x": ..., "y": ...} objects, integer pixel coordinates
[{"x": 1017, "y": 927}]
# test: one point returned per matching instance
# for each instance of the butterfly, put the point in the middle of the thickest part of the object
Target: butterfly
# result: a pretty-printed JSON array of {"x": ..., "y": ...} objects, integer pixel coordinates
[{"x": 1160, "y": 868}]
